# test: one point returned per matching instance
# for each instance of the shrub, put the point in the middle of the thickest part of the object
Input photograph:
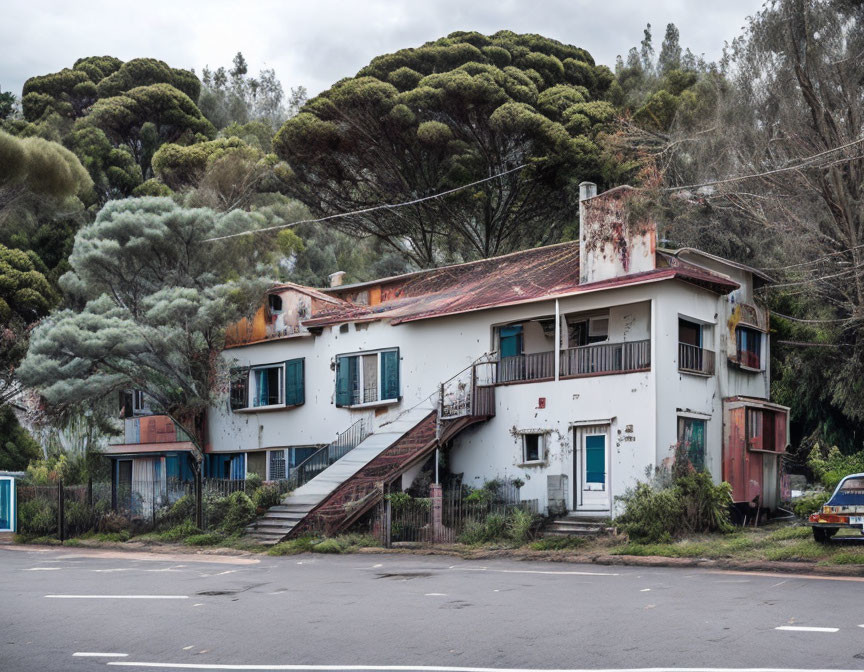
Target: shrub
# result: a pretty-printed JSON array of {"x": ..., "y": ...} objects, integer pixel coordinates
[
  {"x": 77, "y": 517},
  {"x": 520, "y": 526},
  {"x": 180, "y": 511},
  {"x": 180, "y": 532},
  {"x": 830, "y": 466},
  {"x": 215, "y": 508},
  {"x": 811, "y": 503},
  {"x": 293, "y": 546},
  {"x": 253, "y": 482},
  {"x": 491, "y": 529},
  {"x": 239, "y": 513},
  {"x": 328, "y": 546},
  {"x": 112, "y": 523},
  {"x": 692, "y": 504},
  {"x": 37, "y": 517},
  {"x": 266, "y": 496}
]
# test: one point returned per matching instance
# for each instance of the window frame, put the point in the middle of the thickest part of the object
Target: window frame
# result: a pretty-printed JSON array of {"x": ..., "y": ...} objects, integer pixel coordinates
[
  {"x": 680, "y": 432},
  {"x": 253, "y": 386},
  {"x": 541, "y": 448},
  {"x": 759, "y": 339},
  {"x": 360, "y": 382},
  {"x": 250, "y": 383}
]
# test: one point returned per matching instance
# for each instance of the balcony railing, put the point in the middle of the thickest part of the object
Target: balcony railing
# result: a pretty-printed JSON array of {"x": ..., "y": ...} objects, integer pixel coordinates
[
  {"x": 600, "y": 358},
  {"x": 469, "y": 393},
  {"x": 693, "y": 359},
  {"x": 585, "y": 360},
  {"x": 535, "y": 366}
]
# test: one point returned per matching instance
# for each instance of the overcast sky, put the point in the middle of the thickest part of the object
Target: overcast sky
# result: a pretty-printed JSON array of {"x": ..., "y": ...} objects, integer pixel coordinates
[{"x": 316, "y": 42}]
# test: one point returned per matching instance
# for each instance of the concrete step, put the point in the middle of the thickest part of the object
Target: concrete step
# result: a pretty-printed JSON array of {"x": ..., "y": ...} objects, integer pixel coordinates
[
  {"x": 293, "y": 516},
  {"x": 271, "y": 525}
]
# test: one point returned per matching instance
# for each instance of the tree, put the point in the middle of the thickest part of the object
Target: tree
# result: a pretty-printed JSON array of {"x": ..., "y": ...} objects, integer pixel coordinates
[
  {"x": 233, "y": 97},
  {"x": 454, "y": 111},
  {"x": 7, "y": 104},
  {"x": 144, "y": 118},
  {"x": 17, "y": 447},
  {"x": 156, "y": 300},
  {"x": 670, "y": 53}
]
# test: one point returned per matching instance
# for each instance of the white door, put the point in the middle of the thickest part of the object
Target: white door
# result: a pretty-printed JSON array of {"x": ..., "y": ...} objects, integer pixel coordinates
[{"x": 591, "y": 480}]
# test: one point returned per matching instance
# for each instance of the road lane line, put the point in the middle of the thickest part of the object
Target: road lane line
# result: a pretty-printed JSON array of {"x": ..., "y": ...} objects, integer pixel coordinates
[
  {"x": 805, "y": 628},
  {"x": 41, "y": 569},
  {"x": 431, "y": 668},
  {"x": 119, "y": 597},
  {"x": 93, "y": 654}
]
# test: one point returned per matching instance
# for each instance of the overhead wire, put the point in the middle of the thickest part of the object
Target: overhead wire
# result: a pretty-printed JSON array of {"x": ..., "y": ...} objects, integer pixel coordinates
[{"x": 386, "y": 206}]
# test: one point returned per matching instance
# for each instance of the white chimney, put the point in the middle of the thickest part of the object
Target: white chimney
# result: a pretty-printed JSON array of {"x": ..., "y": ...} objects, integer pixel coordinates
[
  {"x": 586, "y": 190},
  {"x": 336, "y": 278}
]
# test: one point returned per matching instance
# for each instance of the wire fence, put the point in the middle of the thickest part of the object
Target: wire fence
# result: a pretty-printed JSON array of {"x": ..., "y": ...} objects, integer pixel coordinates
[
  {"x": 399, "y": 518},
  {"x": 137, "y": 507}
]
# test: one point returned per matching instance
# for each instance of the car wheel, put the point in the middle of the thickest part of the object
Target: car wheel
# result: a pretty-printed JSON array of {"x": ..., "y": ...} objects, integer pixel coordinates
[{"x": 823, "y": 534}]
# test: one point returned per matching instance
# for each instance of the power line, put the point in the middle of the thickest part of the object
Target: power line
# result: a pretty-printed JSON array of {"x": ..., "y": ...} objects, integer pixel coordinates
[
  {"x": 799, "y": 319},
  {"x": 813, "y": 261},
  {"x": 819, "y": 279},
  {"x": 366, "y": 210},
  {"x": 802, "y": 164}
]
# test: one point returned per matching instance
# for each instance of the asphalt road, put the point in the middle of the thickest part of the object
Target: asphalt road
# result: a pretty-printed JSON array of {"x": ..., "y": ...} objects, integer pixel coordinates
[{"x": 302, "y": 612}]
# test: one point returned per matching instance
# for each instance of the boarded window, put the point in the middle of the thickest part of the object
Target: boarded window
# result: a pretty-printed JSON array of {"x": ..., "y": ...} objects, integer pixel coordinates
[{"x": 691, "y": 435}]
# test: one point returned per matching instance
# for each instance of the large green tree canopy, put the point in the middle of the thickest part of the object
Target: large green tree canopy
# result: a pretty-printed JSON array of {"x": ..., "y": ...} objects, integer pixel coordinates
[
  {"x": 457, "y": 110},
  {"x": 156, "y": 299}
]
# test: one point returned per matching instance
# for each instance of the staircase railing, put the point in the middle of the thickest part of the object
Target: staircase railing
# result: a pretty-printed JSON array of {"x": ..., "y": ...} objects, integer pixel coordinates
[
  {"x": 323, "y": 458},
  {"x": 470, "y": 392}
]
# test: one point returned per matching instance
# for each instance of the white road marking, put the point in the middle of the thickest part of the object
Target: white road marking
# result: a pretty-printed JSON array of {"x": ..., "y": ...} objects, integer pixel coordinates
[
  {"x": 532, "y": 571},
  {"x": 435, "y": 595},
  {"x": 119, "y": 597},
  {"x": 92, "y": 654},
  {"x": 431, "y": 668},
  {"x": 645, "y": 590},
  {"x": 41, "y": 569},
  {"x": 805, "y": 628},
  {"x": 186, "y": 648},
  {"x": 861, "y": 626}
]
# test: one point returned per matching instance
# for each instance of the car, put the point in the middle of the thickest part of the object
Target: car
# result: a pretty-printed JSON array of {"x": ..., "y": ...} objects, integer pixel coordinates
[{"x": 845, "y": 509}]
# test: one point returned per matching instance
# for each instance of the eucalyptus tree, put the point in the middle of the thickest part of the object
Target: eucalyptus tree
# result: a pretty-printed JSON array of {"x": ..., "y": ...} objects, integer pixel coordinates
[{"x": 452, "y": 112}]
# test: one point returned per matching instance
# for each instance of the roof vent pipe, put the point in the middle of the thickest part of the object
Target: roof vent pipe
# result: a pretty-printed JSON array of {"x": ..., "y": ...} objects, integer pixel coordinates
[{"x": 336, "y": 278}]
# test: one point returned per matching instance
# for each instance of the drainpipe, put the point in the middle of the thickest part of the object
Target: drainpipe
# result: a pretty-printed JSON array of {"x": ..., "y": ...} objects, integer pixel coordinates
[{"x": 557, "y": 341}]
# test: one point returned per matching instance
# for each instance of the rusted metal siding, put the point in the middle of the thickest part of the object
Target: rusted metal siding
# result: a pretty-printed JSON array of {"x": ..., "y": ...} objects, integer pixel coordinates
[{"x": 755, "y": 436}]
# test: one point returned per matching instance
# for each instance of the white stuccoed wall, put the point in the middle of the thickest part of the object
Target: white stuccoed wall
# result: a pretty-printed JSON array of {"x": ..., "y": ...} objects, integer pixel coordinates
[{"x": 644, "y": 406}]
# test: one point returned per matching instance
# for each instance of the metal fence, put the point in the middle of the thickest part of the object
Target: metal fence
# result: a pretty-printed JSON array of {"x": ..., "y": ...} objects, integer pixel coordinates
[
  {"x": 402, "y": 519},
  {"x": 64, "y": 511}
]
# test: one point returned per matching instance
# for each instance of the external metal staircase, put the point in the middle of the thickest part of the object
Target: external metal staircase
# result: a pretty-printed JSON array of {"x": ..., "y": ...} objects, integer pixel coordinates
[{"x": 342, "y": 481}]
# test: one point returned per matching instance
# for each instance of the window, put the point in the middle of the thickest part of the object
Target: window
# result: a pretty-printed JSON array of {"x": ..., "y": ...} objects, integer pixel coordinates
[
  {"x": 749, "y": 345},
  {"x": 267, "y": 386},
  {"x": 239, "y": 396},
  {"x": 689, "y": 333},
  {"x": 760, "y": 430},
  {"x": 274, "y": 303},
  {"x": 271, "y": 385},
  {"x": 587, "y": 330},
  {"x": 533, "y": 447},
  {"x": 510, "y": 340},
  {"x": 691, "y": 436},
  {"x": 367, "y": 378},
  {"x": 277, "y": 465}
]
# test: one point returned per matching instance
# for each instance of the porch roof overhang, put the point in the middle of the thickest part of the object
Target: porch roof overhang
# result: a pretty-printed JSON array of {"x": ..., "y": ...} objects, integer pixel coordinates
[{"x": 148, "y": 448}]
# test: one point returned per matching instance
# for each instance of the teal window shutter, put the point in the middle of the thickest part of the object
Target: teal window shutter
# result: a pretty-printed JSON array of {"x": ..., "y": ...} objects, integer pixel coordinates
[
  {"x": 343, "y": 379},
  {"x": 295, "y": 382},
  {"x": 390, "y": 374}
]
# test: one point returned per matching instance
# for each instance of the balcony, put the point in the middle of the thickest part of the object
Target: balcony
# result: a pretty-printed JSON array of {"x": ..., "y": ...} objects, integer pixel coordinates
[
  {"x": 693, "y": 359},
  {"x": 587, "y": 360},
  {"x": 150, "y": 433}
]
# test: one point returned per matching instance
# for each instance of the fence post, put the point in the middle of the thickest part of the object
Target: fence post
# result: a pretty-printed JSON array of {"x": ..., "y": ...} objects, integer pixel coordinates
[
  {"x": 90, "y": 493},
  {"x": 388, "y": 523},
  {"x": 199, "y": 501},
  {"x": 436, "y": 494},
  {"x": 153, "y": 504},
  {"x": 60, "y": 512}
]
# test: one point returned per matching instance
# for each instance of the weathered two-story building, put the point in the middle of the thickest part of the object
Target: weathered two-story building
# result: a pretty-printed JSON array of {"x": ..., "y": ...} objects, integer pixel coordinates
[{"x": 575, "y": 367}]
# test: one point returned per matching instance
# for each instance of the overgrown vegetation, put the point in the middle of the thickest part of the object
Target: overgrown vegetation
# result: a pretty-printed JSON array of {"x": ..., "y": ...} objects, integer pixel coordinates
[
  {"x": 676, "y": 504},
  {"x": 347, "y": 543}
]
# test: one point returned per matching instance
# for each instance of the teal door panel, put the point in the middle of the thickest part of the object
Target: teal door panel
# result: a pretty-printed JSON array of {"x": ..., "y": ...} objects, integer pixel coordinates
[
  {"x": 595, "y": 459},
  {"x": 511, "y": 341},
  {"x": 6, "y": 494}
]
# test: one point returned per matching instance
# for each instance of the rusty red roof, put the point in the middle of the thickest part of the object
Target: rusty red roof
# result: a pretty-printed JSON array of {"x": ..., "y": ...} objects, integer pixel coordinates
[{"x": 520, "y": 277}]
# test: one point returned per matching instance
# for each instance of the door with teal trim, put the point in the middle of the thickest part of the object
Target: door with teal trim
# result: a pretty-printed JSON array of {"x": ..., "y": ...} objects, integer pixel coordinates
[
  {"x": 592, "y": 477},
  {"x": 7, "y": 505}
]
